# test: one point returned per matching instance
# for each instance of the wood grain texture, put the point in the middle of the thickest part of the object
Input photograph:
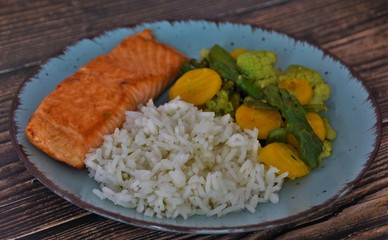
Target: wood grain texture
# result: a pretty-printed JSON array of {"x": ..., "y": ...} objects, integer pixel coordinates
[{"x": 356, "y": 31}]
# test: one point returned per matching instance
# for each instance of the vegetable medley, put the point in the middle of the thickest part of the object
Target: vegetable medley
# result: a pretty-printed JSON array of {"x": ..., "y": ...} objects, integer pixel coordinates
[{"x": 286, "y": 106}]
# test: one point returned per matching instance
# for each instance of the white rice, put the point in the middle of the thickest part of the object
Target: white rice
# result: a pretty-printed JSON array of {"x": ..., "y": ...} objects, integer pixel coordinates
[{"x": 175, "y": 160}]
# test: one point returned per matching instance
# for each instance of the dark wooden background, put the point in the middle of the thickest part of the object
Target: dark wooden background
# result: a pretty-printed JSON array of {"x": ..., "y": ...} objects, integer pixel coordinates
[{"x": 356, "y": 31}]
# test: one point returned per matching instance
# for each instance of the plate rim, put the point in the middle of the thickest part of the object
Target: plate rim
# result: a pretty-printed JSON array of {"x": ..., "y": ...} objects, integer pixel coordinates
[{"x": 308, "y": 215}]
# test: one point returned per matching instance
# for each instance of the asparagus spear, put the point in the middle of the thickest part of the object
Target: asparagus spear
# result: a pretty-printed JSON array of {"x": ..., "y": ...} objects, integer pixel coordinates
[
  {"x": 310, "y": 146},
  {"x": 222, "y": 62}
]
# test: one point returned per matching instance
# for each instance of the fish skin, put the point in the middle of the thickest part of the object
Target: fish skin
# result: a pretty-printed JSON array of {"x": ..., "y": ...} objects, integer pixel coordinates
[{"x": 92, "y": 102}]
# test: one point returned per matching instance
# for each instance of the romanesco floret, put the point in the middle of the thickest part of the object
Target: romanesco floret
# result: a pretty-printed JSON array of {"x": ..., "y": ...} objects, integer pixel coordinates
[
  {"x": 259, "y": 66},
  {"x": 321, "y": 90},
  {"x": 327, "y": 150},
  {"x": 220, "y": 104},
  {"x": 203, "y": 53},
  {"x": 301, "y": 72},
  {"x": 321, "y": 93}
]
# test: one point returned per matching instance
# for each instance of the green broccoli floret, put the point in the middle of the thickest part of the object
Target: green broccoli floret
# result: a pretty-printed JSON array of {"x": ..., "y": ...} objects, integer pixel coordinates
[
  {"x": 259, "y": 67},
  {"x": 321, "y": 90},
  {"x": 220, "y": 104},
  {"x": 301, "y": 72},
  {"x": 327, "y": 150},
  {"x": 203, "y": 53},
  {"x": 321, "y": 93}
]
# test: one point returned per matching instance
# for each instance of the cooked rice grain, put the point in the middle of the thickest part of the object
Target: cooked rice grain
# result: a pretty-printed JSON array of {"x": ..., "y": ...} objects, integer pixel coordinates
[{"x": 175, "y": 160}]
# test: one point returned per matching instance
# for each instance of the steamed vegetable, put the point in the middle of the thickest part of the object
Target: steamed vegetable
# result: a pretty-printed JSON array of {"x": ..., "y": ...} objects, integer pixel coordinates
[
  {"x": 316, "y": 123},
  {"x": 280, "y": 105},
  {"x": 330, "y": 132},
  {"x": 237, "y": 52},
  {"x": 222, "y": 62},
  {"x": 300, "y": 88},
  {"x": 197, "y": 86},
  {"x": 226, "y": 101},
  {"x": 310, "y": 146},
  {"x": 321, "y": 90},
  {"x": 285, "y": 158},
  {"x": 327, "y": 149},
  {"x": 221, "y": 104},
  {"x": 259, "y": 67},
  {"x": 262, "y": 119}
]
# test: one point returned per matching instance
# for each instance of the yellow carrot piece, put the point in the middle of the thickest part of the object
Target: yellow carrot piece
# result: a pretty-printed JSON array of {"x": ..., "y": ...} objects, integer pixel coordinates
[
  {"x": 285, "y": 158},
  {"x": 263, "y": 119},
  {"x": 291, "y": 139},
  {"x": 300, "y": 88},
  {"x": 237, "y": 52},
  {"x": 316, "y": 123},
  {"x": 197, "y": 86}
]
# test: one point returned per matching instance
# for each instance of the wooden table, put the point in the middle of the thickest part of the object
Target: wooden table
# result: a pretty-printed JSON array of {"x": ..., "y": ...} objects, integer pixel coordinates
[{"x": 31, "y": 31}]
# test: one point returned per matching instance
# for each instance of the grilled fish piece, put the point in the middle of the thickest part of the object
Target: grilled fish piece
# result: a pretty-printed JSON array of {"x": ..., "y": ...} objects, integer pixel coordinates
[{"x": 92, "y": 102}]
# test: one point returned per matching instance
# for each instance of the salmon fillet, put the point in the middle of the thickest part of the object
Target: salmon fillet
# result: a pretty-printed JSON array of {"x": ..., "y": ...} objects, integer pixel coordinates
[{"x": 92, "y": 102}]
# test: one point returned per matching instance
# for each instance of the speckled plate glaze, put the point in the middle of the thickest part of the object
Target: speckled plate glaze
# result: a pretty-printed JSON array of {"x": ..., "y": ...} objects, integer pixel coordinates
[{"x": 352, "y": 110}]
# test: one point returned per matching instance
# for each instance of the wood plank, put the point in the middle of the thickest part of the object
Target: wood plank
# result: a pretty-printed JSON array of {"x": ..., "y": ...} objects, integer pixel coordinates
[
  {"x": 337, "y": 223},
  {"x": 71, "y": 22},
  {"x": 42, "y": 214},
  {"x": 379, "y": 232},
  {"x": 341, "y": 226},
  {"x": 23, "y": 199}
]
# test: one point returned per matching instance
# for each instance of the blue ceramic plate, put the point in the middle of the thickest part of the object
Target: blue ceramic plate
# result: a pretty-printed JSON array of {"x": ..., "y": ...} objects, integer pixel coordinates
[{"x": 352, "y": 111}]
